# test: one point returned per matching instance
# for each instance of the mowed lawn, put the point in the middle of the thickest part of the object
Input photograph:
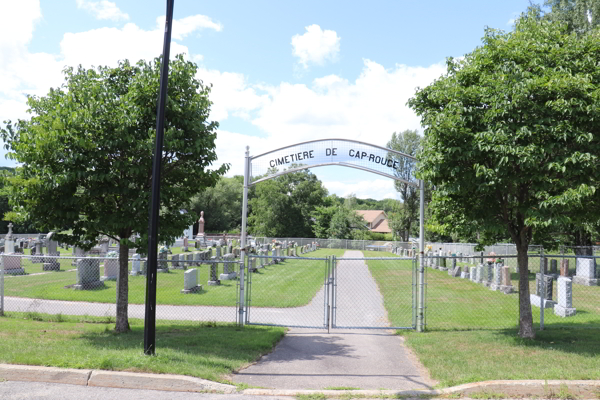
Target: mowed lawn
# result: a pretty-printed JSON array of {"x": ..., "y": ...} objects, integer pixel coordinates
[
  {"x": 471, "y": 332},
  {"x": 275, "y": 285},
  {"x": 206, "y": 350}
]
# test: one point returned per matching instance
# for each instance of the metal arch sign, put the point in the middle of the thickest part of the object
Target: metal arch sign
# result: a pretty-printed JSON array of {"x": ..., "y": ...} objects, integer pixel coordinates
[
  {"x": 317, "y": 153},
  {"x": 342, "y": 152}
]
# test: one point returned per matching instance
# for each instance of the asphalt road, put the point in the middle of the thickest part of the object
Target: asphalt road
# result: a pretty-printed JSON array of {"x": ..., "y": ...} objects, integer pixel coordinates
[{"x": 13, "y": 390}]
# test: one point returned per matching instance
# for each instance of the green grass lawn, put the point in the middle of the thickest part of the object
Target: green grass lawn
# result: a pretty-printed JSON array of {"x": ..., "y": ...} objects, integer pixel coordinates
[
  {"x": 395, "y": 280},
  {"x": 273, "y": 286},
  {"x": 472, "y": 331},
  {"x": 206, "y": 350}
]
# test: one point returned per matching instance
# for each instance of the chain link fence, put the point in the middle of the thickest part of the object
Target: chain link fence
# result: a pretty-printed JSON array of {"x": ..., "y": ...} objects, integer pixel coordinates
[
  {"x": 474, "y": 292},
  {"x": 291, "y": 285}
]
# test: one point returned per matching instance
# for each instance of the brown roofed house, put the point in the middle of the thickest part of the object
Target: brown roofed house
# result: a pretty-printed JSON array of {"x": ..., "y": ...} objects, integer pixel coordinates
[{"x": 376, "y": 220}]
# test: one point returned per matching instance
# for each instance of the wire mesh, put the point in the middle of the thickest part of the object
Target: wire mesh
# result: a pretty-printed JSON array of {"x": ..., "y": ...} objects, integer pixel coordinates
[
  {"x": 374, "y": 293},
  {"x": 204, "y": 285},
  {"x": 186, "y": 288},
  {"x": 487, "y": 296},
  {"x": 286, "y": 290}
]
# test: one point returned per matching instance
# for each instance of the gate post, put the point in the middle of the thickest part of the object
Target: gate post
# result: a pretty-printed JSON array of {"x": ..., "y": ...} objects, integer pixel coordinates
[
  {"x": 421, "y": 316},
  {"x": 243, "y": 234}
]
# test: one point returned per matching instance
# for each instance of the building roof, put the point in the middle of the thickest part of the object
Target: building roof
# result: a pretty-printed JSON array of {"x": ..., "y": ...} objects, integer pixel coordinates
[
  {"x": 370, "y": 215},
  {"x": 382, "y": 227}
]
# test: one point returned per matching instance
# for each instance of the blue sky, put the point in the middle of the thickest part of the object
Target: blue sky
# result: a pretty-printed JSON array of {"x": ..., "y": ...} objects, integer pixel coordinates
[{"x": 282, "y": 72}]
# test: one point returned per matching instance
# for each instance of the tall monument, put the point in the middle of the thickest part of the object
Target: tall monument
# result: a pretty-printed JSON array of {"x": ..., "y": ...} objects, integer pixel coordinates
[{"x": 200, "y": 234}]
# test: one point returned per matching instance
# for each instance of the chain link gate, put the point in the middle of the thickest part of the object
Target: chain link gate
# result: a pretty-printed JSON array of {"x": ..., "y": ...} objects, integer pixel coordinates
[
  {"x": 374, "y": 293},
  {"x": 288, "y": 291},
  {"x": 341, "y": 293}
]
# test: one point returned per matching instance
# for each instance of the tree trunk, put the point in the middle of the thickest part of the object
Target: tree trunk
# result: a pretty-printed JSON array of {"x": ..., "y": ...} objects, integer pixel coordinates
[
  {"x": 122, "y": 324},
  {"x": 525, "y": 316}
]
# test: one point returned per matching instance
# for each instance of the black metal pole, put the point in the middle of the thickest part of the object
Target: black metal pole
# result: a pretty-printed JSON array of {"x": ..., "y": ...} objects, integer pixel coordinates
[{"x": 150, "y": 317}]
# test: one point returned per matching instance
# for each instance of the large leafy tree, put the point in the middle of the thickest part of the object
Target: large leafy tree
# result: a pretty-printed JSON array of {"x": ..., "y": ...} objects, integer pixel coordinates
[
  {"x": 580, "y": 16},
  {"x": 406, "y": 217},
  {"x": 221, "y": 204},
  {"x": 511, "y": 136},
  {"x": 86, "y": 156},
  {"x": 284, "y": 206}
]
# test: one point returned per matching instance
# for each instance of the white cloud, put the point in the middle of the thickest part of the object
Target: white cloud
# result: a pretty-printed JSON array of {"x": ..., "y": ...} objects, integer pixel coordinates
[
  {"x": 368, "y": 109},
  {"x": 231, "y": 94},
  {"x": 316, "y": 46},
  {"x": 185, "y": 26},
  {"x": 103, "y": 9}
]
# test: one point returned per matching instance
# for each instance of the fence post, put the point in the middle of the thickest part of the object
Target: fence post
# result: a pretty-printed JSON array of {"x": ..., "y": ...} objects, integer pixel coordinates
[
  {"x": 543, "y": 291},
  {"x": 421, "y": 289},
  {"x": 242, "y": 298},
  {"x": 1, "y": 287}
]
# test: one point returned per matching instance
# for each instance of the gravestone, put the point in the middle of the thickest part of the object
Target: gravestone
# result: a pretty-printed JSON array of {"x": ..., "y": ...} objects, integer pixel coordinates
[
  {"x": 564, "y": 308},
  {"x": 456, "y": 271},
  {"x": 453, "y": 269},
  {"x": 214, "y": 265},
  {"x": 175, "y": 261},
  {"x": 497, "y": 279},
  {"x": 585, "y": 273},
  {"x": 536, "y": 298},
  {"x": 163, "y": 265},
  {"x": 218, "y": 252},
  {"x": 39, "y": 251},
  {"x": 473, "y": 274},
  {"x": 544, "y": 265},
  {"x": 51, "y": 263},
  {"x": 88, "y": 274},
  {"x": 135, "y": 265},
  {"x": 465, "y": 274},
  {"x": 189, "y": 258},
  {"x": 488, "y": 274},
  {"x": 197, "y": 256},
  {"x": 228, "y": 268},
  {"x": 103, "y": 245},
  {"x": 507, "y": 286},
  {"x": 252, "y": 264},
  {"x": 185, "y": 244},
  {"x": 553, "y": 268},
  {"x": 564, "y": 268},
  {"x": 190, "y": 281},
  {"x": 111, "y": 267}
]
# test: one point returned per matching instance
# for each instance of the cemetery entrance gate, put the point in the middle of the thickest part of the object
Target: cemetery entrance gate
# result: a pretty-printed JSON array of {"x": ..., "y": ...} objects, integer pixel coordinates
[{"x": 324, "y": 152}]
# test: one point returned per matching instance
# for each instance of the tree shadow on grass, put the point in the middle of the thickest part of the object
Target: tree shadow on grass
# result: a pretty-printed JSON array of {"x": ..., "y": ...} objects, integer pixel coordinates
[
  {"x": 204, "y": 339},
  {"x": 580, "y": 338}
]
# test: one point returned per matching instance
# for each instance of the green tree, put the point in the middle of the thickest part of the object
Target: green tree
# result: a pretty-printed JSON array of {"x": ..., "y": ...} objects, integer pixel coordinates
[
  {"x": 407, "y": 217},
  {"x": 221, "y": 204},
  {"x": 86, "y": 156},
  {"x": 511, "y": 136},
  {"x": 284, "y": 206},
  {"x": 580, "y": 16}
]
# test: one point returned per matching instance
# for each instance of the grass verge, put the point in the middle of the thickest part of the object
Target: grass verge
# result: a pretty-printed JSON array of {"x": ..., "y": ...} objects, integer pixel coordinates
[
  {"x": 472, "y": 331},
  {"x": 205, "y": 350}
]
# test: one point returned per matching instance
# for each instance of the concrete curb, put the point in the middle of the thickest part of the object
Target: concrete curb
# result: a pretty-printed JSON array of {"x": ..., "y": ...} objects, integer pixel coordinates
[
  {"x": 113, "y": 379},
  {"x": 337, "y": 393},
  {"x": 31, "y": 373},
  {"x": 180, "y": 383},
  {"x": 531, "y": 388},
  {"x": 521, "y": 389}
]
